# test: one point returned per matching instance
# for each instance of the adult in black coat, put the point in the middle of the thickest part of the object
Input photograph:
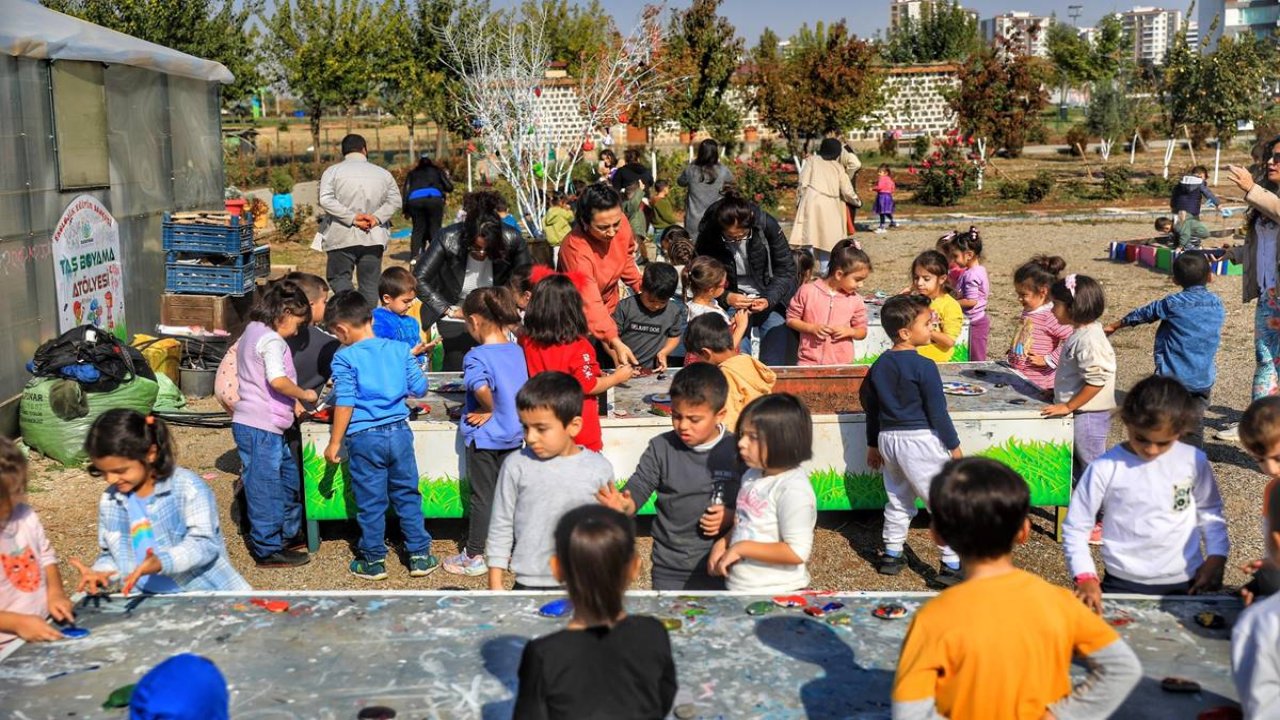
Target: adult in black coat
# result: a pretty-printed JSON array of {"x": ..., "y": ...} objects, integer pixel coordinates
[
  {"x": 425, "y": 188},
  {"x": 480, "y": 251},
  {"x": 762, "y": 272},
  {"x": 632, "y": 172}
]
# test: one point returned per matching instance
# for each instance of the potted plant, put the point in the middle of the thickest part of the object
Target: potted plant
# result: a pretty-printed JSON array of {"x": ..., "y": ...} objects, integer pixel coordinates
[
  {"x": 281, "y": 192},
  {"x": 234, "y": 200}
]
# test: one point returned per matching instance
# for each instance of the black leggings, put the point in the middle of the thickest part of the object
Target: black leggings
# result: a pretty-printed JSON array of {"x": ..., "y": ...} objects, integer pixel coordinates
[{"x": 427, "y": 214}]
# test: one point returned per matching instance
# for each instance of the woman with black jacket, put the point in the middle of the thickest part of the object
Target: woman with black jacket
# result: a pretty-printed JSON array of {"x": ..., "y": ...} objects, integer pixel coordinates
[
  {"x": 481, "y": 251},
  {"x": 425, "y": 189}
]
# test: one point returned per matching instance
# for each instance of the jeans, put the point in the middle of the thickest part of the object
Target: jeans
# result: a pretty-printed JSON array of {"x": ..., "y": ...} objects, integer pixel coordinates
[
  {"x": 273, "y": 496},
  {"x": 677, "y": 580},
  {"x": 427, "y": 214},
  {"x": 381, "y": 464},
  {"x": 769, "y": 333},
  {"x": 482, "y": 475},
  {"x": 365, "y": 261},
  {"x": 1195, "y": 435}
]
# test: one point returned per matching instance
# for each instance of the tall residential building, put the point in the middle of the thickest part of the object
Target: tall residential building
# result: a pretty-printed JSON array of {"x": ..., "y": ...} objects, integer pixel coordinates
[
  {"x": 1028, "y": 34},
  {"x": 902, "y": 10},
  {"x": 1153, "y": 31},
  {"x": 1235, "y": 17}
]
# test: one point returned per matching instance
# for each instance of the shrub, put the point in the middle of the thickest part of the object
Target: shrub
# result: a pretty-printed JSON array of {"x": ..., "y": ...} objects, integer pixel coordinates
[
  {"x": 281, "y": 181},
  {"x": 1038, "y": 187},
  {"x": 920, "y": 147},
  {"x": 1115, "y": 182},
  {"x": 290, "y": 226},
  {"x": 1157, "y": 186},
  {"x": 1038, "y": 134},
  {"x": 1077, "y": 135},
  {"x": 283, "y": 126},
  {"x": 947, "y": 174},
  {"x": 759, "y": 178},
  {"x": 1012, "y": 190},
  {"x": 1075, "y": 189}
]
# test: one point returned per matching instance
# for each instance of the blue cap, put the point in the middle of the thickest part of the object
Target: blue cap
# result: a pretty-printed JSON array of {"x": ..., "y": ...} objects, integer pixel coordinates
[{"x": 184, "y": 687}]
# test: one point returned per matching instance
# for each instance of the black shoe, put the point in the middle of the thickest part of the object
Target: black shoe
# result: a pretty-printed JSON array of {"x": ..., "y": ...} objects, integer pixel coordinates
[
  {"x": 891, "y": 564},
  {"x": 947, "y": 577},
  {"x": 284, "y": 558},
  {"x": 298, "y": 545}
]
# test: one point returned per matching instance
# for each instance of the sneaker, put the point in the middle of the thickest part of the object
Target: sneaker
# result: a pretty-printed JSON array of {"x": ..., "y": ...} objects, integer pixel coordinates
[
  {"x": 881, "y": 231},
  {"x": 421, "y": 565},
  {"x": 1230, "y": 432},
  {"x": 890, "y": 564},
  {"x": 369, "y": 569},
  {"x": 283, "y": 559},
  {"x": 948, "y": 576},
  {"x": 893, "y": 226},
  {"x": 1095, "y": 537},
  {"x": 464, "y": 564}
]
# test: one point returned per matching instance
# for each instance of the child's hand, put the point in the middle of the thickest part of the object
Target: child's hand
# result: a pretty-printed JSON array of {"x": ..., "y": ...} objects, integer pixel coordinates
[
  {"x": 60, "y": 606},
  {"x": 1209, "y": 577},
  {"x": 624, "y": 372},
  {"x": 1090, "y": 593},
  {"x": 309, "y": 396},
  {"x": 331, "y": 452},
  {"x": 1058, "y": 410},
  {"x": 739, "y": 322},
  {"x": 34, "y": 629},
  {"x": 759, "y": 305},
  {"x": 611, "y": 497},
  {"x": 1036, "y": 360},
  {"x": 150, "y": 566},
  {"x": 727, "y": 559},
  {"x": 419, "y": 349},
  {"x": 715, "y": 521},
  {"x": 1250, "y": 568},
  {"x": 843, "y": 333},
  {"x": 92, "y": 582},
  {"x": 957, "y": 454},
  {"x": 875, "y": 460},
  {"x": 476, "y": 419},
  {"x": 1111, "y": 328}
]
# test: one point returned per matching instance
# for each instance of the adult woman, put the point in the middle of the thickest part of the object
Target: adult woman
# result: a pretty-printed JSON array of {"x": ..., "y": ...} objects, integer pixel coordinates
[
  {"x": 824, "y": 191},
  {"x": 761, "y": 270},
  {"x": 602, "y": 248},
  {"x": 705, "y": 179},
  {"x": 481, "y": 251},
  {"x": 424, "y": 193},
  {"x": 632, "y": 172}
]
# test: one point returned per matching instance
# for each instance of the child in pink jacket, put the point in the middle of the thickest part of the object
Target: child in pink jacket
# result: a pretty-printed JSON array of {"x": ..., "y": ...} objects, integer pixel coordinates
[{"x": 828, "y": 312}]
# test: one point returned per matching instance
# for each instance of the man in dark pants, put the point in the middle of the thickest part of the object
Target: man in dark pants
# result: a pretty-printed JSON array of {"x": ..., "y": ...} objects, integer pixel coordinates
[{"x": 359, "y": 199}]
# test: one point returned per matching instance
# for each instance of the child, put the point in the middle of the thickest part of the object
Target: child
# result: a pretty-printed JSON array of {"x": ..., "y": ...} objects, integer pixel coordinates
[
  {"x": 776, "y": 509},
  {"x": 909, "y": 433},
  {"x": 694, "y": 470},
  {"x": 1037, "y": 345},
  {"x": 664, "y": 213},
  {"x": 708, "y": 339},
  {"x": 605, "y": 660},
  {"x": 1189, "y": 192},
  {"x": 929, "y": 279},
  {"x": 1159, "y": 499},
  {"x": 521, "y": 286},
  {"x": 884, "y": 188},
  {"x": 705, "y": 282},
  {"x": 805, "y": 265},
  {"x": 829, "y": 313},
  {"x": 556, "y": 339},
  {"x": 493, "y": 371},
  {"x": 973, "y": 288},
  {"x": 946, "y": 246},
  {"x": 269, "y": 403},
  {"x": 542, "y": 482},
  {"x": 1188, "y": 233},
  {"x": 1255, "y": 662},
  {"x": 558, "y": 221},
  {"x": 1260, "y": 435},
  {"x": 1004, "y": 639},
  {"x": 504, "y": 211},
  {"x": 649, "y": 323},
  {"x": 1189, "y": 334},
  {"x": 398, "y": 289},
  {"x": 372, "y": 378},
  {"x": 32, "y": 586},
  {"x": 157, "y": 523}
]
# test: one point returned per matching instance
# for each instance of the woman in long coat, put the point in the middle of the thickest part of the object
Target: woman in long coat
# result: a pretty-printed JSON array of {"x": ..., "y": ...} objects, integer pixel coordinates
[{"x": 823, "y": 193}]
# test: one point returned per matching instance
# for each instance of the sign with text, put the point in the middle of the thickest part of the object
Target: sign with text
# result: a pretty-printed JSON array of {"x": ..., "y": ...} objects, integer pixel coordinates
[{"x": 89, "y": 276}]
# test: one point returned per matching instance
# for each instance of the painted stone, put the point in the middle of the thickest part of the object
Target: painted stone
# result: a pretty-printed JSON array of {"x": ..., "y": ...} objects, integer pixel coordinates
[
  {"x": 790, "y": 601},
  {"x": 119, "y": 698},
  {"x": 760, "y": 607},
  {"x": 814, "y": 611},
  {"x": 890, "y": 611},
  {"x": 75, "y": 633},
  {"x": 839, "y": 619},
  {"x": 1179, "y": 685},
  {"x": 672, "y": 623},
  {"x": 556, "y": 608},
  {"x": 1211, "y": 620},
  {"x": 832, "y": 606}
]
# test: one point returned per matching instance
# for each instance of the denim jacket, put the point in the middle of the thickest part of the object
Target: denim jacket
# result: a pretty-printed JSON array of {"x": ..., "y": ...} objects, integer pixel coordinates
[{"x": 1189, "y": 334}]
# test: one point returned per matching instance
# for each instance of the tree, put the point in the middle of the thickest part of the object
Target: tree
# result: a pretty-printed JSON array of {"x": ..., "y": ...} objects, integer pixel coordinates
[
  {"x": 944, "y": 32},
  {"x": 1000, "y": 97},
  {"x": 210, "y": 30},
  {"x": 703, "y": 55},
  {"x": 1071, "y": 56},
  {"x": 1111, "y": 113},
  {"x": 574, "y": 33},
  {"x": 407, "y": 84},
  {"x": 1237, "y": 73},
  {"x": 1112, "y": 51},
  {"x": 322, "y": 50}
]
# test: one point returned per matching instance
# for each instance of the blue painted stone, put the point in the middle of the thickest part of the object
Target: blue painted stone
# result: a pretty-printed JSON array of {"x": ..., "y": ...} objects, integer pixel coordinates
[
  {"x": 74, "y": 632},
  {"x": 556, "y": 608}
]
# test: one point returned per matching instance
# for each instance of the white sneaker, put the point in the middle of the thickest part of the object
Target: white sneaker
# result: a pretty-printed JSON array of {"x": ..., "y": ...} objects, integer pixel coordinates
[
  {"x": 881, "y": 231},
  {"x": 1230, "y": 432}
]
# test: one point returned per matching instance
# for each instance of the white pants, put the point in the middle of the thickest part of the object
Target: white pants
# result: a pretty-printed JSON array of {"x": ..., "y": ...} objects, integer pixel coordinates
[{"x": 912, "y": 458}]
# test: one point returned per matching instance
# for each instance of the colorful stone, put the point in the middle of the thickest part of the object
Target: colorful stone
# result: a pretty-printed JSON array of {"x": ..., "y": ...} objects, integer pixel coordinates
[
  {"x": 760, "y": 607},
  {"x": 556, "y": 608}
]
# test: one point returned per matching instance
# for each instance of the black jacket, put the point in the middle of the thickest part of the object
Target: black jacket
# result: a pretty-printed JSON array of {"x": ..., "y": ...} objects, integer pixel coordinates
[
  {"x": 627, "y": 175},
  {"x": 767, "y": 252},
  {"x": 431, "y": 177},
  {"x": 443, "y": 264}
]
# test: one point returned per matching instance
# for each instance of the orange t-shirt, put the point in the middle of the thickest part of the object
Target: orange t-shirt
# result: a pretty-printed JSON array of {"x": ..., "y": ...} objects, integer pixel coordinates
[{"x": 997, "y": 647}]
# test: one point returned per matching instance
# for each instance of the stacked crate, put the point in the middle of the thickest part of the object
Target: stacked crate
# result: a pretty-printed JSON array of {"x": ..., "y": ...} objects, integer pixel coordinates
[{"x": 212, "y": 253}]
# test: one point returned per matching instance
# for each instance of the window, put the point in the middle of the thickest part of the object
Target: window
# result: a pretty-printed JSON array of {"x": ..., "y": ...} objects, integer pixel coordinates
[{"x": 80, "y": 124}]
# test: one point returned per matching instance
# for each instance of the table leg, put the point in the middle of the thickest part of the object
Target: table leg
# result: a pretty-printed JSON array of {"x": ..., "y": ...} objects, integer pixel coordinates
[
  {"x": 313, "y": 535},
  {"x": 1060, "y": 518}
]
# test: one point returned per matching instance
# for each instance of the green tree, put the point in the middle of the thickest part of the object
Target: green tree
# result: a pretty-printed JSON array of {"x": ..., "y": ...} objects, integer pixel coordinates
[
  {"x": 407, "y": 84},
  {"x": 701, "y": 57},
  {"x": 1235, "y": 77},
  {"x": 1112, "y": 50},
  {"x": 574, "y": 33},
  {"x": 218, "y": 31},
  {"x": 1000, "y": 97},
  {"x": 1111, "y": 111},
  {"x": 434, "y": 56},
  {"x": 944, "y": 32},
  {"x": 323, "y": 50}
]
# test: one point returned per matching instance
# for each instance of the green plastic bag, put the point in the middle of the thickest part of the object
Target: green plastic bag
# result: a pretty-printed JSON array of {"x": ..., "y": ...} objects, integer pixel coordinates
[
  {"x": 55, "y": 414},
  {"x": 169, "y": 397}
]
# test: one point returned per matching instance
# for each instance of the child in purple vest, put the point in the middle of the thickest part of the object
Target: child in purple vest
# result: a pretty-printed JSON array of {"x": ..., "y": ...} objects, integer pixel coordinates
[{"x": 269, "y": 396}]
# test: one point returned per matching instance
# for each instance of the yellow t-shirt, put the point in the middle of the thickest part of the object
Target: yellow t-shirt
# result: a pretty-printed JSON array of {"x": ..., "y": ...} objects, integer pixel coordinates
[
  {"x": 950, "y": 322},
  {"x": 997, "y": 647}
]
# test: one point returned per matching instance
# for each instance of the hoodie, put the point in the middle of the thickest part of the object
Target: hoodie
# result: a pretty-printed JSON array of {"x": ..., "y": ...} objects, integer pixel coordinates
[
  {"x": 1187, "y": 195},
  {"x": 748, "y": 379}
]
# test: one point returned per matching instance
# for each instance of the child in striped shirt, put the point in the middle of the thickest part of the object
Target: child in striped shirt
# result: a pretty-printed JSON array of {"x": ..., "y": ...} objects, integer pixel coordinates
[{"x": 1038, "y": 343}]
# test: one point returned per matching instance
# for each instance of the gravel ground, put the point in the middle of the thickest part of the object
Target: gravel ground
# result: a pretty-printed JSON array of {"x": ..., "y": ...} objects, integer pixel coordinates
[{"x": 845, "y": 543}]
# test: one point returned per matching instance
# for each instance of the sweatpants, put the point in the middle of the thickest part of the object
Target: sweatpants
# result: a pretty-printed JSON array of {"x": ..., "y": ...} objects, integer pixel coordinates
[
  {"x": 482, "y": 477},
  {"x": 1090, "y": 430},
  {"x": 979, "y": 330},
  {"x": 912, "y": 458}
]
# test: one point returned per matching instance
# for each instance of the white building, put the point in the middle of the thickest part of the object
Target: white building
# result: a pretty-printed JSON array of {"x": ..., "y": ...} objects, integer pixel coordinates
[
  {"x": 1028, "y": 34},
  {"x": 903, "y": 10},
  {"x": 1235, "y": 17},
  {"x": 1153, "y": 31}
]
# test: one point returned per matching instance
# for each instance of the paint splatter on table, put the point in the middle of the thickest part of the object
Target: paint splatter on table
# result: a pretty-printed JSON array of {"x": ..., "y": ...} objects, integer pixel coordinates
[{"x": 455, "y": 655}]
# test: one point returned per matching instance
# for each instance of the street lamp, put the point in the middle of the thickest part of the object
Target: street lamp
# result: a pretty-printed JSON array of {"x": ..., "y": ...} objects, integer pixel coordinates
[{"x": 1073, "y": 11}]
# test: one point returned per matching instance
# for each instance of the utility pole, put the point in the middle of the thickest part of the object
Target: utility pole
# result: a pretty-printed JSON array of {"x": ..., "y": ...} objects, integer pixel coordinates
[{"x": 1073, "y": 11}]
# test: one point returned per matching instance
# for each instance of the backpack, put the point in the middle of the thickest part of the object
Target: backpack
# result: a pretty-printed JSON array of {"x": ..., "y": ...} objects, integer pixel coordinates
[{"x": 96, "y": 359}]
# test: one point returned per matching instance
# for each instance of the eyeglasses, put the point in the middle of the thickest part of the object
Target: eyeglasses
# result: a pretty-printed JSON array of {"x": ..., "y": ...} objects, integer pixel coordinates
[
  {"x": 746, "y": 235},
  {"x": 1273, "y": 160},
  {"x": 479, "y": 253}
]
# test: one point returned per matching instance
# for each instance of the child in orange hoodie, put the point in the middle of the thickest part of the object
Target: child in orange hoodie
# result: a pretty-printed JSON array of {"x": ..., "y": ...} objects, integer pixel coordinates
[{"x": 709, "y": 339}]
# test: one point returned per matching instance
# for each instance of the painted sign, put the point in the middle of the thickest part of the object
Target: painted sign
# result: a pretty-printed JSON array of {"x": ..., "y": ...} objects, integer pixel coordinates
[{"x": 88, "y": 273}]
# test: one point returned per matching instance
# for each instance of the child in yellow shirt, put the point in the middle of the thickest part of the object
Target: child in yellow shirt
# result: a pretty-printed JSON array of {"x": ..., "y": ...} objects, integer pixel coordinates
[
  {"x": 1000, "y": 644},
  {"x": 929, "y": 278},
  {"x": 709, "y": 339}
]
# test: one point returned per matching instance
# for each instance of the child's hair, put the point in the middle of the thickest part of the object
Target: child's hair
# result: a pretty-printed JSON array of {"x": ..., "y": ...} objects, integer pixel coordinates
[
  {"x": 932, "y": 262},
  {"x": 1156, "y": 402},
  {"x": 500, "y": 204},
  {"x": 979, "y": 507},
  {"x": 660, "y": 280},
  {"x": 704, "y": 274},
  {"x": 554, "y": 315},
  {"x": 521, "y": 280},
  {"x": 899, "y": 312},
  {"x": 784, "y": 427},
  {"x": 700, "y": 383},
  {"x": 557, "y": 197},
  {"x": 596, "y": 550},
  {"x": 1260, "y": 427},
  {"x": 679, "y": 249},
  {"x": 708, "y": 332},
  {"x": 660, "y": 185},
  {"x": 1082, "y": 296},
  {"x": 131, "y": 435},
  {"x": 555, "y": 391},
  {"x": 1199, "y": 170},
  {"x": 846, "y": 257},
  {"x": 494, "y": 304},
  {"x": 313, "y": 285},
  {"x": 886, "y": 170},
  {"x": 1190, "y": 269},
  {"x": 968, "y": 241},
  {"x": 281, "y": 299},
  {"x": 1040, "y": 272},
  {"x": 349, "y": 308},
  {"x": 805, "y": 264},
  {"x": 396, "y": 281},
  {"x": 1164, "y": 224},
  {"x": 946, "y": 244},
  {"x": 13, "y": 471}
]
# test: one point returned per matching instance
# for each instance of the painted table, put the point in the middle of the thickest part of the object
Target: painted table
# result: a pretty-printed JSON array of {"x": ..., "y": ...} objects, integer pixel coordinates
[
  {"x": 1004, "y": 424},
  {"x": 866, "y": 350},
  {"x": 456, "y": 655}
]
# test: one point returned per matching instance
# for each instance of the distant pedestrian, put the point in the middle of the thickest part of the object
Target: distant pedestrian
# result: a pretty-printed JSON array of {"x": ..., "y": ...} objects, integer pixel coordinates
[
  {"x": 825, "y": 192},
  {"x": 705, "y": 179},
  {"x": 885, "y": 187},
  {"x": 425, "y": 191},
  {"x": 359, "y": 199}
]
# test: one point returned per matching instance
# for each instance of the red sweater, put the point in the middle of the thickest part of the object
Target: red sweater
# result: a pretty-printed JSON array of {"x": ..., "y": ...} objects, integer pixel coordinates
[
  {"x": 605, "y": 264},
  {"x": 578, "y": 359}
]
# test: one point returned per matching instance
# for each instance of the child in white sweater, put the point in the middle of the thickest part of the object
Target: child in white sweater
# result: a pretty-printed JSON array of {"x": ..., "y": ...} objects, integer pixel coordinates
[{"x": 1255, "y": 641}]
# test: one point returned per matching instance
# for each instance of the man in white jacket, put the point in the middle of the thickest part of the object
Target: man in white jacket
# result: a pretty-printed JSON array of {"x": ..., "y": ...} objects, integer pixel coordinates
[{"x": 359, "y": 199}]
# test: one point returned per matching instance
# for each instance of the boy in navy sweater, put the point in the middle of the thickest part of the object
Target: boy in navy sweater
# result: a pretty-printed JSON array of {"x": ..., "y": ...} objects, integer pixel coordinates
[{"x": 909, "y": 433}]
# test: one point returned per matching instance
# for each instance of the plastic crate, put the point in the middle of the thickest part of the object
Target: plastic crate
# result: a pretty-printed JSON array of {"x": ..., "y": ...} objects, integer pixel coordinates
[
  {"x": 236, "y": 276},
  {"x": 262, "y": 261},
  {"x": 230, "y": 239}
]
